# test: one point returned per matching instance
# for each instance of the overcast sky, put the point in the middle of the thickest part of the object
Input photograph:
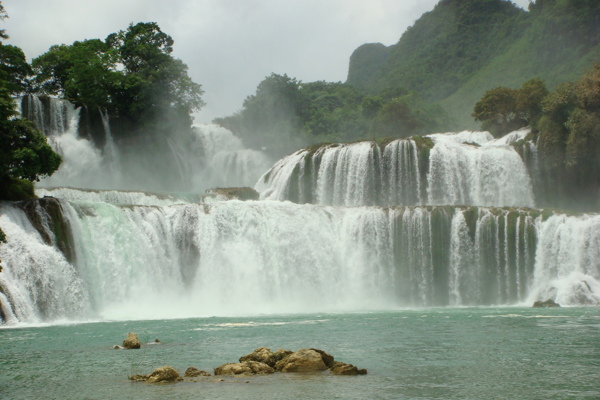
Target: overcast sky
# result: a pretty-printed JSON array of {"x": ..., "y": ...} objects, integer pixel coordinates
[{"x": 228, "y": 45}]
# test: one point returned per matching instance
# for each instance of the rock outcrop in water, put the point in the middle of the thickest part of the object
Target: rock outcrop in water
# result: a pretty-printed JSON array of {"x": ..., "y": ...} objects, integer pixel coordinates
[
  {"x": 264, "y": 361},
  {"x": 132, "y": 341}
]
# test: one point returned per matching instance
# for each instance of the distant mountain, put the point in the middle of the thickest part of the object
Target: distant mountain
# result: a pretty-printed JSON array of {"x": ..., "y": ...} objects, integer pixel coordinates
[{"x": 453, "y": 54}]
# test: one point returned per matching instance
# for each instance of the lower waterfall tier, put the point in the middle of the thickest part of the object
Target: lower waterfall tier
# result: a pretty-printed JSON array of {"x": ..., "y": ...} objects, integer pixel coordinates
[{"x": 85, "y": 260}]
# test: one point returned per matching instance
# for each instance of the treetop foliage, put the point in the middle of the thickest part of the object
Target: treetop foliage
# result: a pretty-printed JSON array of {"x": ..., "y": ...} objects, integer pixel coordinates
[{"x": 131, "y": 74}]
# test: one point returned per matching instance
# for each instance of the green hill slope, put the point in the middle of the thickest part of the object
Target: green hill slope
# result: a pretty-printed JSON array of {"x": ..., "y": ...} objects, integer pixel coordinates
[{"x": 462, "y": 48}]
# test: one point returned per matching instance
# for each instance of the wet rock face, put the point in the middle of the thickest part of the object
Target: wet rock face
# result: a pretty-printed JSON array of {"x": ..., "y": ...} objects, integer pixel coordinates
[
  {"x": 545, "y": 304},
  {"x": 47, "y": 217},
  {"x": 132, "y": 341},
  {"x": 303, "y": 360}
]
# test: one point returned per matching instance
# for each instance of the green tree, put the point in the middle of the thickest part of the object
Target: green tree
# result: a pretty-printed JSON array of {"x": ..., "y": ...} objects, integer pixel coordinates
[
  {"x": 397, "y": 119},
  {"x": 498, "y": 112},
  {"x": 25, "y": 155},
  {"x": 83, "y": 73},
  {"x": 131, "y": 74},
  {"x": 569, "y": 142},
  {"x": 529, "y": 100},
  {"x": 272, "y": 117}
]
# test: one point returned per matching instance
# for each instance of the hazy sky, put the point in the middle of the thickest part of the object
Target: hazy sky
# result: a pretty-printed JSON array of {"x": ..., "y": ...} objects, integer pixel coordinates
[{"x": 228, "y": 45}]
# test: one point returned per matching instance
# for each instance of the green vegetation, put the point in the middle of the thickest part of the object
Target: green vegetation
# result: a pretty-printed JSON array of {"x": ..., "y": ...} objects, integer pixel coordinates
[
  {"x": 285, "y": 114},
  {"x": 440, "y": 52},
  {"x": 430, "y": 80},
  {"x": 25, "y": 156},
  {"x": 131, "y": 75},
  {"x": 566, "y": 124},
  {"x": 503, "y": 110},
  {"x": 455, "y": 53}
]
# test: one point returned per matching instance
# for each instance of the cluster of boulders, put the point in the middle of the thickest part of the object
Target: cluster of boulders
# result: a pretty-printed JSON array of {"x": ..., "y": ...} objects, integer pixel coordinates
[
  {"x": 262, "y": 361},
  {"x": 265, "y": 361}
]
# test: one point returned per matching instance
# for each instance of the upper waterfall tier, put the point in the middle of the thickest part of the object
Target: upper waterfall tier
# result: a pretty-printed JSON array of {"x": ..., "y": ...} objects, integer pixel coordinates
[{"x": 466, "y": 168}]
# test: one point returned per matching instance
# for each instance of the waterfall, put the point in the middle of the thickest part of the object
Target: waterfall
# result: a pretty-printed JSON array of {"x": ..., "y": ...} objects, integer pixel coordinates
[
  {"x": 466, "y": 168},
  {"x": 228, "y": 162},
  {"x": 52, "y": 116},
  {"x": 463, "y": 169},
  {"x": 116, "y": 196},
  {"x": 223, "y": 258},
  {"x": 435, "y": 220},
  {"x": 205, "y": 157}
]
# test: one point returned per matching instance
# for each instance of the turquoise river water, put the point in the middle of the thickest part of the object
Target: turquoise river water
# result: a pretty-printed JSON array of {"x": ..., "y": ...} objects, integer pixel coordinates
[{"x": 442, "y": 353}]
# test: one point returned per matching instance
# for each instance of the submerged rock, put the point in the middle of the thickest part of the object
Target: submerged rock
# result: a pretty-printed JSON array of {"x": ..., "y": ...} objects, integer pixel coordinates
[
  {"x": 132, "y": 341},
  {"x": 340, "y": 368},
  {"x": 545, "y": 304},
  {"x": 139, "y": 378},
  {"x": 193, "y": 372}
]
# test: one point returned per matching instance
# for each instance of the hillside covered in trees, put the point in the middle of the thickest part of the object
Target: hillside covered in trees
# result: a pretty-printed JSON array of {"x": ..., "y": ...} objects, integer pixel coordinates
[
  {"x": 431, "y": 79},
  {"x": 453, "y": 54}
]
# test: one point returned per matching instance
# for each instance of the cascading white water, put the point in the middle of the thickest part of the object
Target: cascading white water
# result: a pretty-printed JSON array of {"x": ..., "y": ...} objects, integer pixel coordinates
[
  {"x": 52, "y": 116},
  {"x": 272, "y": 257},
  {"x": 115, "y": 196},
  {"x": 228, "y": 162},
  {"x": 466, "y": 168},
  {"x": 208, "y": 156},
  {"x": 82, "y": 165},
  {"x": 403, "y": 176},
  {"x": 134, "y": 255},
  {"x": 568, "y": 260},
  {"x": 38, "y": 283},
  {"x": 346, "y": 175}
]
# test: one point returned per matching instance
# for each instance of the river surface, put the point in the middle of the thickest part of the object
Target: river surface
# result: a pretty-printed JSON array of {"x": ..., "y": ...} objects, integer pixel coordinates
[{"x": 435, "y": 353}]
